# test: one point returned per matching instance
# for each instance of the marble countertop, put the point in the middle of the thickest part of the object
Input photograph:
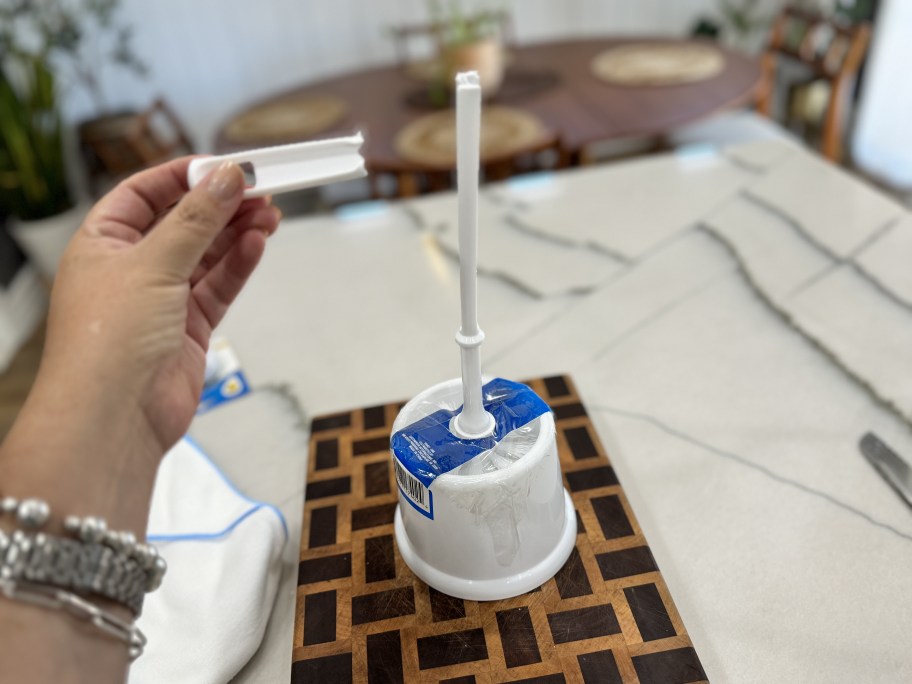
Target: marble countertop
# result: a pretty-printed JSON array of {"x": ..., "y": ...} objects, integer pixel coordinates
[{"x": 735, "y": 321}]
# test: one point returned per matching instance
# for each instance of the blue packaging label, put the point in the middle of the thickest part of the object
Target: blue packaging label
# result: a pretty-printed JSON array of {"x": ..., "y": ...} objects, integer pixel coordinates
[
  {"x": 230, "y": 387},
  {"x": 427, "y": 449},
  {"x": 225, "y": 380}
]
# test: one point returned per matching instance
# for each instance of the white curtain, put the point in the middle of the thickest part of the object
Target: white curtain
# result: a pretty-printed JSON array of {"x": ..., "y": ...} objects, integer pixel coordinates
[{"x": 882, "y": 143}]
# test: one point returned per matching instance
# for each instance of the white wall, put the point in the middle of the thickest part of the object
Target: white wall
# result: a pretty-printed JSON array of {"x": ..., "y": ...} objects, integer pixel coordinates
[
  {"x": 882, "y": 144},
  {"x": 211, "y": 57}
]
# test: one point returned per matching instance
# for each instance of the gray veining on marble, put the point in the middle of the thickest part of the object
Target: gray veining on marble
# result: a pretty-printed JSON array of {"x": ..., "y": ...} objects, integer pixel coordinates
[
  {"x": 889, "y": 259},
  {"x": 777, "y": 256},
  {"x": 837, "y": 211},
  {"x": 541, "y": 267},
  {"x": 837, "y": 306},
  {"x": 730, "y": 365},
  {"x": 724, "y": 371},
  {"x": 741, "y": 460},
  {"x": 820, "y": 588},
  {"x": 628, "y": 209},
  {"x": 330, "y": 288},
  {"x": 583, "y": 331},
  {"x": 791, "y": 317},
  {"x": 722, "y": 364},
  {"x": 870, "y": 333},
  {"x": 761, "y": 155}
]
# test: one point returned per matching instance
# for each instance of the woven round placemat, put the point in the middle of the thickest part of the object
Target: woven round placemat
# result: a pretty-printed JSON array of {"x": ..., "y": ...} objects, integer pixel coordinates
[
  {"x": 658, "y": 64},
  {"x": 291, "y": 118},
  {"x": 505, "y": 131}
]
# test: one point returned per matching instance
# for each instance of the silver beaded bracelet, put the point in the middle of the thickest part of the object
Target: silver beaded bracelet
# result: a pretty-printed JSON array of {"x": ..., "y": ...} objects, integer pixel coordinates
[
  {"x": 55, "y": 571},
  {"x": 51, "y": 597}
]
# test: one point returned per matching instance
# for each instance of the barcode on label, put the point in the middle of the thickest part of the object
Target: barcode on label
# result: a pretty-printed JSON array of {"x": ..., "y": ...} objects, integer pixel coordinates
[{"x": 413, "y": 489}]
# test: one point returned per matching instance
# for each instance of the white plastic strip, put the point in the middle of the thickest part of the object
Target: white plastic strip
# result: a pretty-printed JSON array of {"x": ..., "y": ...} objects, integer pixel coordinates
[{"x": 290, "y": 167}]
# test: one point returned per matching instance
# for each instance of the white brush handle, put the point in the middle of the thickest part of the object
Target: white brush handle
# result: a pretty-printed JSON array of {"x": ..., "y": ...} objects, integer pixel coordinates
[
  {"x": 474, "y": 421},
  {"x": 291, "y": 167}
]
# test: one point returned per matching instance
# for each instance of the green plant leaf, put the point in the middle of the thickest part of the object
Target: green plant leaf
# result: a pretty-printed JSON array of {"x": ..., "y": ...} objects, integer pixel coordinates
[{"x": 34, "y": 179}]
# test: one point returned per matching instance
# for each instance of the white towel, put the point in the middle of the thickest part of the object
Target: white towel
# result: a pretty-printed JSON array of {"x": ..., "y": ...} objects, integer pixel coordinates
[{"x": 223, "y": 552}]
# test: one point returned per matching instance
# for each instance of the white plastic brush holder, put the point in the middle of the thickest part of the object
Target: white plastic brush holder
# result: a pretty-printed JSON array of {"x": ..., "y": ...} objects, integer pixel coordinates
[{"x": 494, "y": 535}]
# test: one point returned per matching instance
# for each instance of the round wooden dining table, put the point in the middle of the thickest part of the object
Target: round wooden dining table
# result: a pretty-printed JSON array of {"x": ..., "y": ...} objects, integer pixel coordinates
[{"x": 569, "y": 99}]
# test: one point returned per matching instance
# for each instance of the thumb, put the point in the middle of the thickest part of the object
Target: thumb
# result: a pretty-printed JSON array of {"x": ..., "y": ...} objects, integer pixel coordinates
[{"x": 178, "y": 243}]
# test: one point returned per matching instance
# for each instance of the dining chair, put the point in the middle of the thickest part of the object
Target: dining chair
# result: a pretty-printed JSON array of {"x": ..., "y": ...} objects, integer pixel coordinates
[
  {"x": 117, "y": 145},
  {"x": 826, "y": 50}
]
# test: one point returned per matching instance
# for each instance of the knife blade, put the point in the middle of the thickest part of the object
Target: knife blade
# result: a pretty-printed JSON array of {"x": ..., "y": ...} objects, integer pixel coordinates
[{"x": 887, "y": 462}]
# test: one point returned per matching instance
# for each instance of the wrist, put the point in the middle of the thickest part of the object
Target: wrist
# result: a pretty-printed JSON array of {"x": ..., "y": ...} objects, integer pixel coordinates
[{"x": 84, "y": 454}]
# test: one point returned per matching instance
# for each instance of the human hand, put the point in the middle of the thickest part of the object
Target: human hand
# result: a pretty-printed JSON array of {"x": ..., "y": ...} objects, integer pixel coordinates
[
  {"x": 140, "y": 287},
  {"x": 143, "y": 283}
]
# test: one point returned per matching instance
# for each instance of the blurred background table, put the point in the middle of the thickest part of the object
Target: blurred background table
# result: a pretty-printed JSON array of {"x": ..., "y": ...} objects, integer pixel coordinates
[{"x": 557, "y": 87}]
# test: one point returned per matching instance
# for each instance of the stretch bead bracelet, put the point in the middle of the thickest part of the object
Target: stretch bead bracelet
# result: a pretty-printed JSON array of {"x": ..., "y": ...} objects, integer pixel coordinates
[
  {"x": 111, "y": 547},
  {"x": 74, "y": 565},
  {"x": 51, "y": 597},
  {"x": 54, "y": 571}
]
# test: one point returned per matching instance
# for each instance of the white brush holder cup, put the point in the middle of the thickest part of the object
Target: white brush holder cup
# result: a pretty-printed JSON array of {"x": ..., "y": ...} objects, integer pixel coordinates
[{"x": 494, "y": 535}]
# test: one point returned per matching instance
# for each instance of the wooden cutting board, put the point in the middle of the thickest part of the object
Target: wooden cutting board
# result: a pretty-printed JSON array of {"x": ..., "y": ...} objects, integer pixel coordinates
[{"x": 362, "y": 616}]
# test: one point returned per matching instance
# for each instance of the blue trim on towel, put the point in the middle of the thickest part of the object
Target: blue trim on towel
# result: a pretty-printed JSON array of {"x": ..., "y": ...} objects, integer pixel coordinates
[{"x": 211, "y": 536}]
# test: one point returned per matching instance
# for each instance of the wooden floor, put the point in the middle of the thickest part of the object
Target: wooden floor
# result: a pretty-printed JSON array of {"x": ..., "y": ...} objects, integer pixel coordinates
[{"x": 17, "y": 379}]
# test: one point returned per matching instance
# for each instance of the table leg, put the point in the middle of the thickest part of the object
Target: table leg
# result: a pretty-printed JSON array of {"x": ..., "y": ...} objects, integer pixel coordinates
[{"x": 408, "y": 184}]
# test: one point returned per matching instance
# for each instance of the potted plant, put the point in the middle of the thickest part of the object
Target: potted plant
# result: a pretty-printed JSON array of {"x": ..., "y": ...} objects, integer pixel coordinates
[
  {"x": 471, "y": 42},
  {"x": 39, "y": 41}
]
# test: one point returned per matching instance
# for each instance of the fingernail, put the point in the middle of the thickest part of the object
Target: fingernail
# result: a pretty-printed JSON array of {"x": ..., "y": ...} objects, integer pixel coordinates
[
  {"x": 226, "y": 182},
  {"x": 278, "y": 214}
]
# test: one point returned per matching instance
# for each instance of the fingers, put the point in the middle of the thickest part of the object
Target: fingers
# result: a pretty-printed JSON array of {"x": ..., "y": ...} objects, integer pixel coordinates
[
  {"x": 250, "y": 216},
  {"x": 134, "y": 204},
  {"x": 218, "y": 289},
  {"x": 181, "y": 239}
]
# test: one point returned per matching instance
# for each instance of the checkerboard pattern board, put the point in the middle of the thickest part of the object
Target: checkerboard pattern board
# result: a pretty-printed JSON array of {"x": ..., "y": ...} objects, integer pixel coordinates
[{"x": 362, "y": 616}]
